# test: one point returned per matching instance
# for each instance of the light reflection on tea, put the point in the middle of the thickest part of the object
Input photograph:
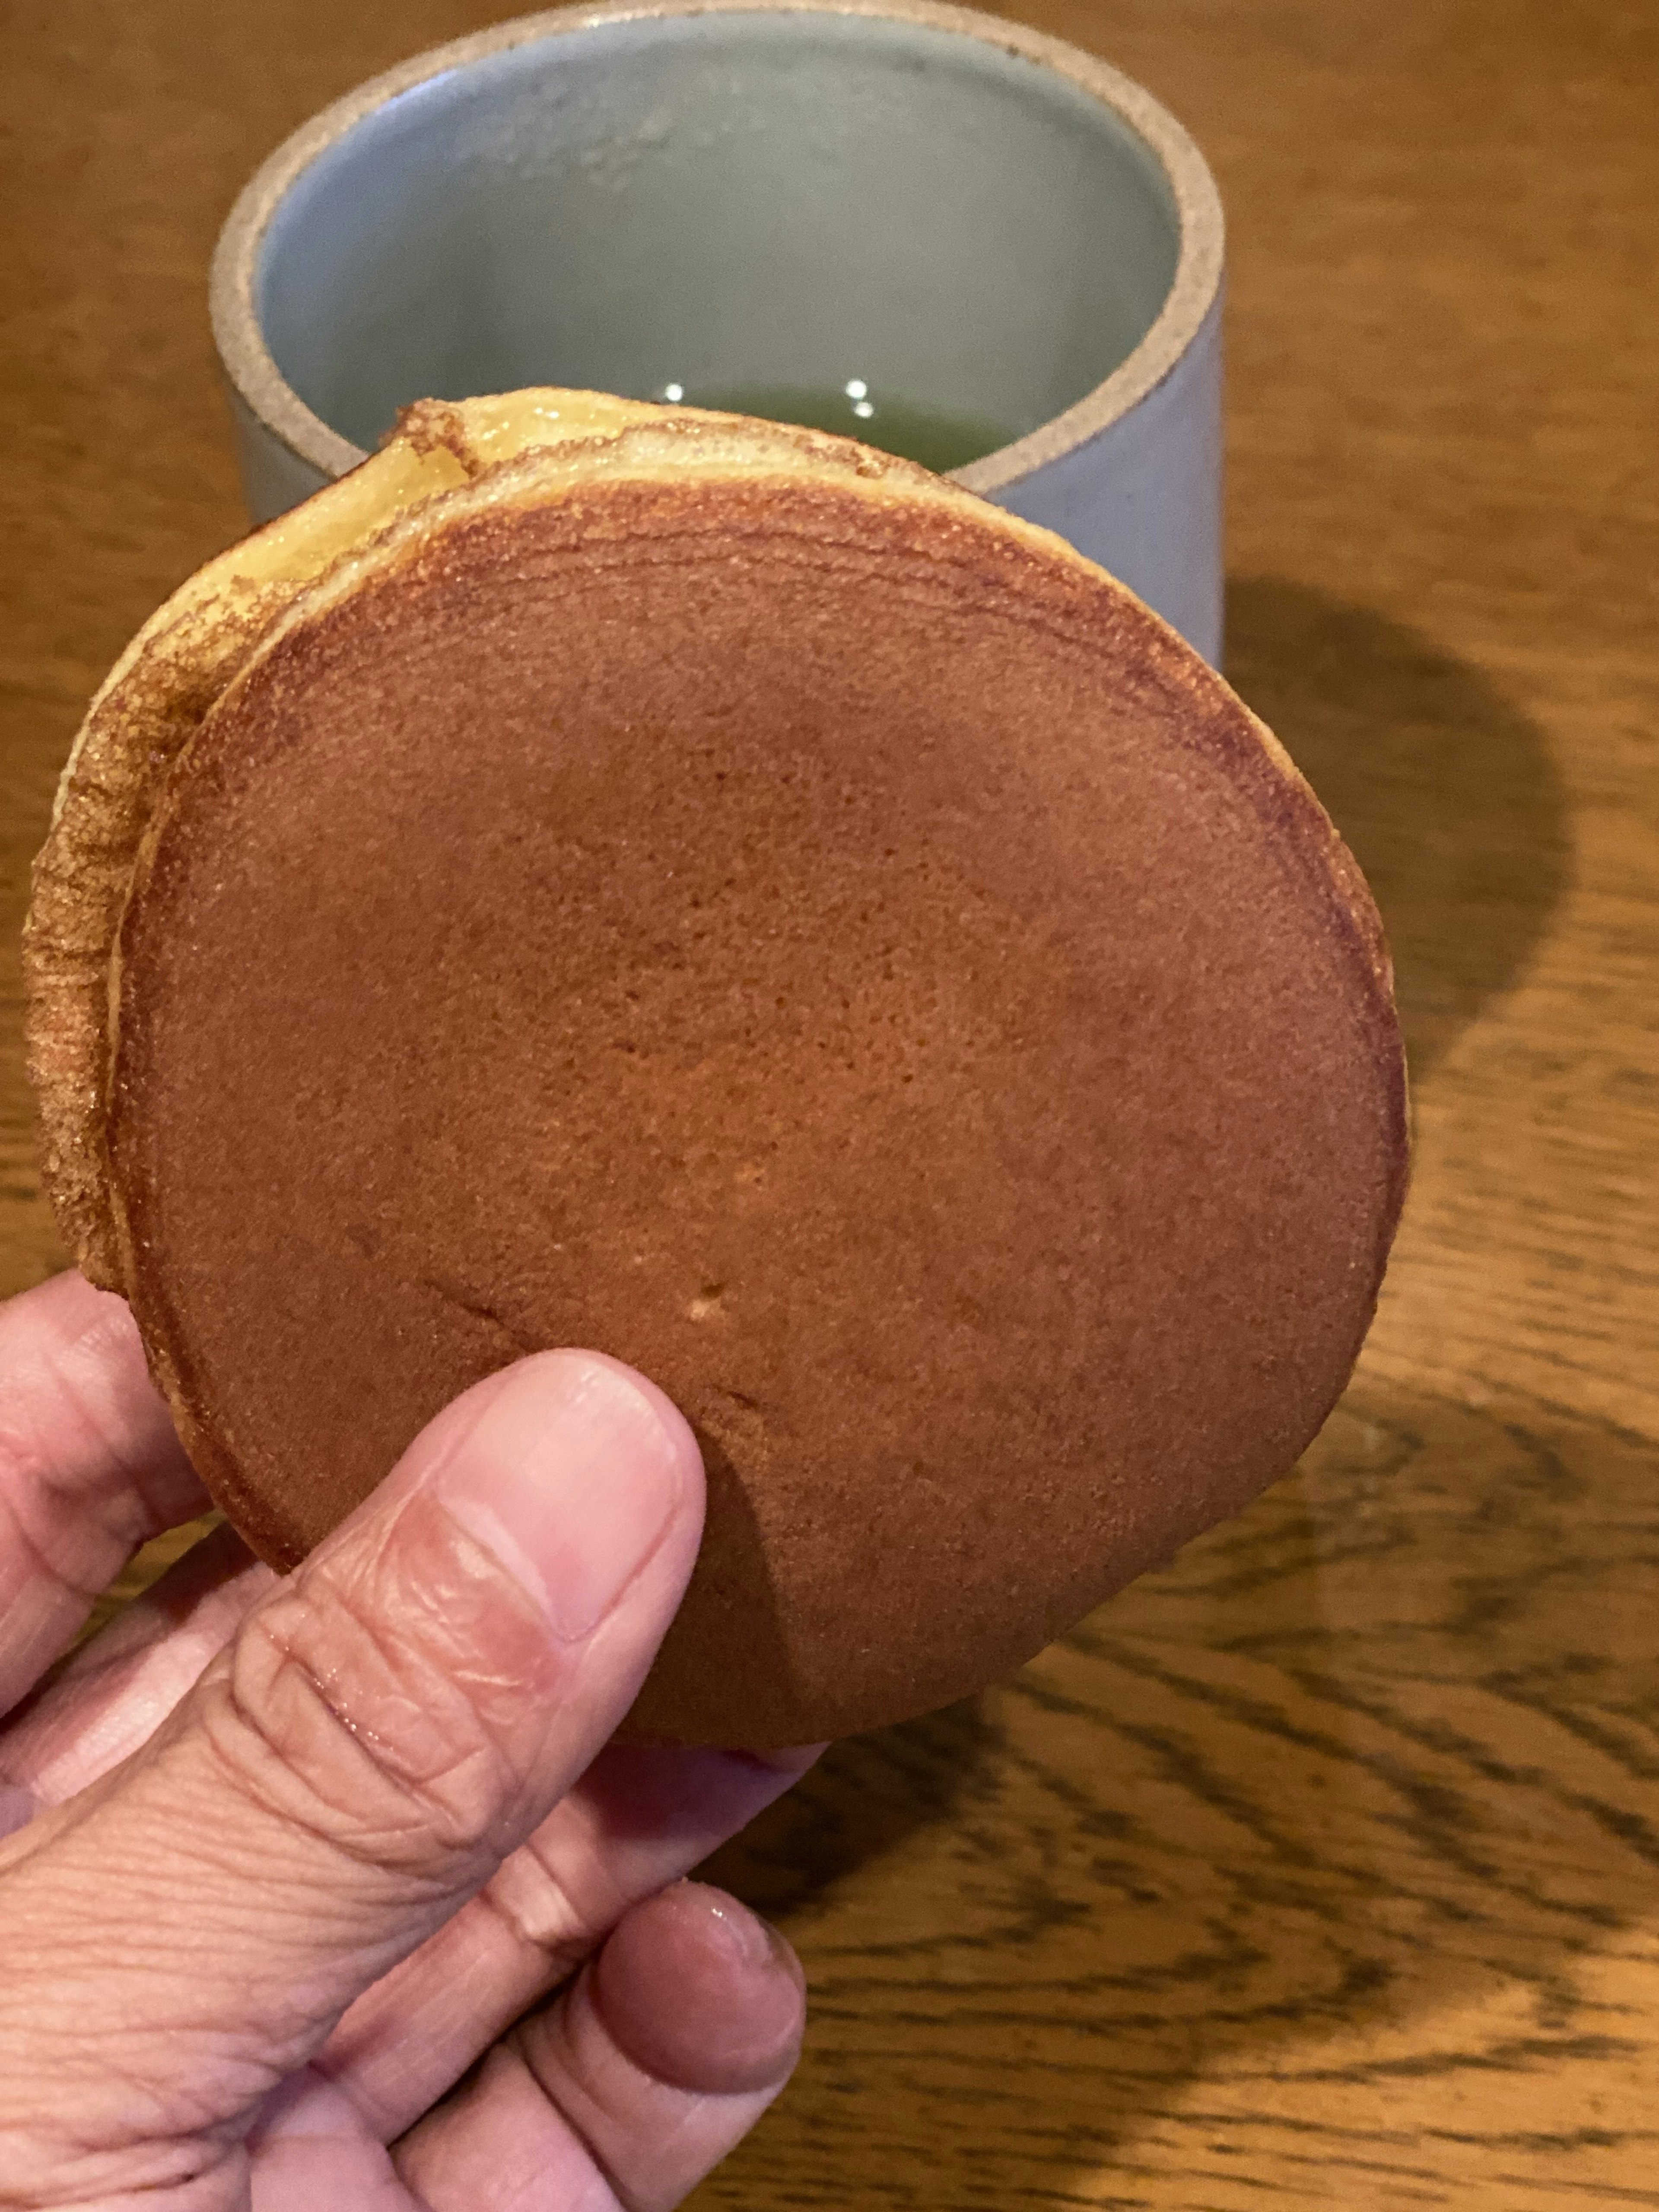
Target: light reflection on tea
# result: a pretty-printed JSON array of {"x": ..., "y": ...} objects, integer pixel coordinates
[{"x": 940, "y": 438}]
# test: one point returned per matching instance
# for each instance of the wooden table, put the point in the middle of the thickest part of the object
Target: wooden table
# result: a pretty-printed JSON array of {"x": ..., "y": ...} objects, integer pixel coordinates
[{"x": 1324, "y": 1868}]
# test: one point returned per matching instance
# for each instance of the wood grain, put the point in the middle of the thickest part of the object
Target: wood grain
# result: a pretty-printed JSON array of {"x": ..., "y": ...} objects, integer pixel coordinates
[{"x": 1324, "y": 1867}]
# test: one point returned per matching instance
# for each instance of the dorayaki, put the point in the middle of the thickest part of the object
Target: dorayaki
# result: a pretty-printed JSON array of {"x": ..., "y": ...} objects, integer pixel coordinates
[{"x": 611, "y": 875}]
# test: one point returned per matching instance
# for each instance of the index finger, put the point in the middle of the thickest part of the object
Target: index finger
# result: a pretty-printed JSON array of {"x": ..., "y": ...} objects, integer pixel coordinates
[{"x": 89, "y": 1467}]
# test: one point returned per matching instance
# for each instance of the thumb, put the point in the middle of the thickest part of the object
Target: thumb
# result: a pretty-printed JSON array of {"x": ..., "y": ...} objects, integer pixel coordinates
[{"x": 390, "y": 1722}]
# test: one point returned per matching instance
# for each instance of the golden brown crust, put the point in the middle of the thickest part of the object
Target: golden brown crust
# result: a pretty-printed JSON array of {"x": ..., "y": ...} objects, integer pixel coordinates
[
  {"x": 830, "y": 948},
  {"x": 524, "y": 447},
  {"x": 127, "y": 744}
]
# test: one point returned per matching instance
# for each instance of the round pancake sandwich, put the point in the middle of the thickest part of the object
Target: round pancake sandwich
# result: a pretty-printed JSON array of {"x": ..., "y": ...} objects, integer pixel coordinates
[{"x": 614, "y": 875}]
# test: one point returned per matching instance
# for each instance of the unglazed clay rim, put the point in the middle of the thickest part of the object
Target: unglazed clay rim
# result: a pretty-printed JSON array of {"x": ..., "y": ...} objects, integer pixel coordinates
[{"x": 255, "y": 376}]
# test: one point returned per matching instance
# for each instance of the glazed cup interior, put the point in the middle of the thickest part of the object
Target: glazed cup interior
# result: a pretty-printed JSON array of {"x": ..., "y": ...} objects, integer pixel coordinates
[{"x": 688, "y": 204}]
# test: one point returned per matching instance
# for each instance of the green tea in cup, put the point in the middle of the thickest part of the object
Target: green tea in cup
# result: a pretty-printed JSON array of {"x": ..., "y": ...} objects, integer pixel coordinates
[{"x": 940, "y": 438}]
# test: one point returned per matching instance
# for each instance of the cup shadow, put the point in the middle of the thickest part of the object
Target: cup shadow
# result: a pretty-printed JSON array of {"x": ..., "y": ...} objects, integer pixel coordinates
[{"x": 1446, "y": 792}]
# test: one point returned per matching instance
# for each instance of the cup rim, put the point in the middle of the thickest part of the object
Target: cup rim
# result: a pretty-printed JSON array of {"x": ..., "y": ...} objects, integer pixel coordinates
[{"x": 263, "y": 388}]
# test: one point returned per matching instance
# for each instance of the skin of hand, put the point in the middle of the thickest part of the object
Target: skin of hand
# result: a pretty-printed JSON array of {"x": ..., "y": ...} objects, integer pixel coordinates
[{"x": 330, "y": 1890}]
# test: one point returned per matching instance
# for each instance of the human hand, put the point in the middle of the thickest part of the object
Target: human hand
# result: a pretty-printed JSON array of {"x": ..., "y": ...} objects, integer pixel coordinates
[{"x": 257, "y": 1927}]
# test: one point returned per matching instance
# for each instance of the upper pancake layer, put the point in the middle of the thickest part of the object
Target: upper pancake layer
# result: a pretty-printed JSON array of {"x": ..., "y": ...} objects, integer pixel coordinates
[
  {"x": 814, "y": 938},
  {"x": 522, "y": 445}
]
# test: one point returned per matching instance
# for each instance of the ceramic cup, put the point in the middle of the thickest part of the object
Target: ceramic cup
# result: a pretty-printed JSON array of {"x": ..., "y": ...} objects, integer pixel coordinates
[{"x": 918, "y": 207}]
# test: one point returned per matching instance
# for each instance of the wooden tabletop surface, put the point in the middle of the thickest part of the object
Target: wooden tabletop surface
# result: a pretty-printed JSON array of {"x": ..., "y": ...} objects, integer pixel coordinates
[{"x": 1324, "y": 1869}]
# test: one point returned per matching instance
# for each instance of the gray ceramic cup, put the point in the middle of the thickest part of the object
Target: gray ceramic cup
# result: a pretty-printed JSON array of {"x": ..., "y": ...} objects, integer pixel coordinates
[{"x": 934, "y": 208}]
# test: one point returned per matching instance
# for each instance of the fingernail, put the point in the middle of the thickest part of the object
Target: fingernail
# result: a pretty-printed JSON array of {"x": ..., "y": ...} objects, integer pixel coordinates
[
  {"x": 743, "y": 1934},
  {"x": 752, "y": 1942},
  {"x": 570, "y": 1477},
  {"x": 700, "y": 1993}
]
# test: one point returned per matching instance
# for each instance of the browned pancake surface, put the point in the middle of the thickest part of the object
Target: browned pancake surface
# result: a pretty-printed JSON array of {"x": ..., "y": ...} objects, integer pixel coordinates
[{"x": 863, "y": 973}]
